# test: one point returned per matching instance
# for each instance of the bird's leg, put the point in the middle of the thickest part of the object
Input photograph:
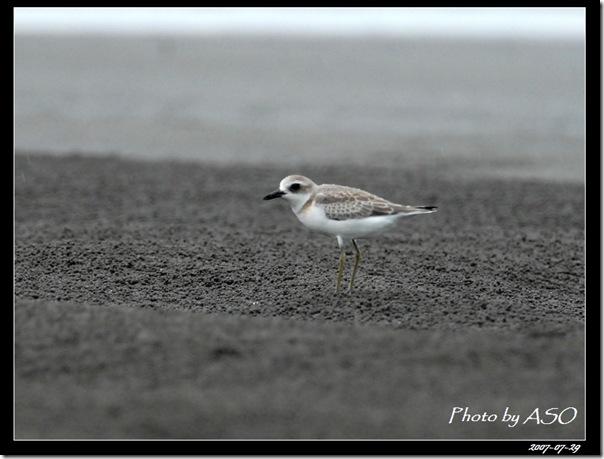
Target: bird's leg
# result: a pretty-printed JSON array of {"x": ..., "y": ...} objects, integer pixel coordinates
[
  {"x": 357, "y": 260},
  {"x": 341, "y": 269},
  {"x": 342, "y": 243}
]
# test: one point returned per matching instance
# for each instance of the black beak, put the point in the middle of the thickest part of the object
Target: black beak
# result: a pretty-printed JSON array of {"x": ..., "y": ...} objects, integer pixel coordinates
[{"x": 274, "y": 194}]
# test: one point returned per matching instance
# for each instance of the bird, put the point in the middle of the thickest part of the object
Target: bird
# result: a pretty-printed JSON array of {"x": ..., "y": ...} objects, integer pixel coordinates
[{"x": 342, "y": 211}]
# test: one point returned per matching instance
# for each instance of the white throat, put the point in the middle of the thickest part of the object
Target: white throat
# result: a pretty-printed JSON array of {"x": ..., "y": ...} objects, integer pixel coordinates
[{"x": 298, "y": 205}]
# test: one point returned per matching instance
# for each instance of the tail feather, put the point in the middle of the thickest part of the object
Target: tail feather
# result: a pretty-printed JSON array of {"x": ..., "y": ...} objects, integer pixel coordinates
[{"x": 414, "y": 210}]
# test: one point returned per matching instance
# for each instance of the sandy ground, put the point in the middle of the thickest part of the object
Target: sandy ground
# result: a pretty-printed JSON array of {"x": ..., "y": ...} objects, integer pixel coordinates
[
  {"x": 165, "y": 300},
  {"x": 158, "y": 296}
]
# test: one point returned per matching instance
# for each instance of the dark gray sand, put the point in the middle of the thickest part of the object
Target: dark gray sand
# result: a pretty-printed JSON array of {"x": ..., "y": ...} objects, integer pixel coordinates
[{"x": 167, "y": 300}]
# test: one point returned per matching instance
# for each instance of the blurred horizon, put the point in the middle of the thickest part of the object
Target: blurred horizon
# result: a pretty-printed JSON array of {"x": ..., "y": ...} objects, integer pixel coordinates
[
  {"x": 492, "y": 22},
  {"x": 501, "y": 86}
]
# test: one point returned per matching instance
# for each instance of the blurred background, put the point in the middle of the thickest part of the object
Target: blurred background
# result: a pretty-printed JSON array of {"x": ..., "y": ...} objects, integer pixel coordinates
[
  {"x": 478, "y": 22},
  {"x": 500, "y": 89}
]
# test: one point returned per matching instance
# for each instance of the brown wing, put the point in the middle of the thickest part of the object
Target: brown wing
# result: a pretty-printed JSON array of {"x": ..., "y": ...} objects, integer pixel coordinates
[{"x": 344, "y": 203}]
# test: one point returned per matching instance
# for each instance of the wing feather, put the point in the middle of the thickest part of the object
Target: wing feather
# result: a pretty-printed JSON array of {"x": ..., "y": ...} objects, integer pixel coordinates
[{"x": 344, "y": 203}]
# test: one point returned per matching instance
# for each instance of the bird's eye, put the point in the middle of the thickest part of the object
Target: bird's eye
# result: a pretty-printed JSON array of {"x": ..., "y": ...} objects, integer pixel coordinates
[{"x": 294, "y": 187}]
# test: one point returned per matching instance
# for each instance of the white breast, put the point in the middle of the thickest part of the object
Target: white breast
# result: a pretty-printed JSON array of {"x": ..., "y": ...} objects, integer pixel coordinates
[{"x": 314, "y": 218}]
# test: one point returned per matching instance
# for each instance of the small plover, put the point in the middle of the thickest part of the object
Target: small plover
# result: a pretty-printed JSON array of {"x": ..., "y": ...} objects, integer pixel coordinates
[{"x": 344, "y": 212}]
